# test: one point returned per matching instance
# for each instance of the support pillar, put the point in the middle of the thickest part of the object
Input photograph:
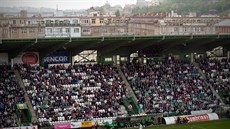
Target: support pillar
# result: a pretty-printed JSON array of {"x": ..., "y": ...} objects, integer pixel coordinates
[
  {"x": 228, "y": 55},
  {"x": 73, "y": 60},
  {"x": 12, "y": 63},
  {"x": 192, "y": 57},
  {"x": 116, "y": 59},
  {"x": 41, "y": 61},
  {"x": 141, "y": 60}
]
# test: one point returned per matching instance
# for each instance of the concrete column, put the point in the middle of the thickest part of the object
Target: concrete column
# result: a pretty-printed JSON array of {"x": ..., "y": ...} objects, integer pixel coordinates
[
  {"x": 118, "y": 59},
  {"x": 114, "y": 59},
  {"x": 12, "y": 63},
  {"x": 228, "y": 55},
  {"x": 72, "y": 61},
  {"x": 141, "y": 60},
  {"x": 192, "y": 57}
]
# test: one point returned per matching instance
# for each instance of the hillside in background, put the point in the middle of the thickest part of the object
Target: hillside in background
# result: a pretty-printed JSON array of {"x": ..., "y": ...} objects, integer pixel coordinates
[{"x": 220, "y": 7}]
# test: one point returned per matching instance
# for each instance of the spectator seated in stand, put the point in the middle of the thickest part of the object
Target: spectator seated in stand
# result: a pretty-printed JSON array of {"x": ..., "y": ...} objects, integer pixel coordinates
[
  {"x": 83, "y": 91},
  {"x": 218, "y": 75},
  {"x": 169, "y": 86},
  {"x": 10, "y": 95}
]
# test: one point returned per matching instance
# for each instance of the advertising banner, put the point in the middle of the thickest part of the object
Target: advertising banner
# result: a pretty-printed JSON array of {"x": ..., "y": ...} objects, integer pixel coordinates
[
  {"x": 102, "y": 121},
  {"x": 75, "y": 124},
  {"x": 23, "y": 127},
  {"x": 201, "y": 112},
  {"x": 198, "y": 118},
  {"x": 85, "y": 124},
  {"x": 27, "y": 58},
  {"x": 65, "y": 125},
  {"x": 192, "y": 118},
  {"x": 58, "y": 57}
]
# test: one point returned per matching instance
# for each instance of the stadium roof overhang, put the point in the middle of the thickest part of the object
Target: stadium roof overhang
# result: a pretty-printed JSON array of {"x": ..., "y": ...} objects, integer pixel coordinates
[{"x": 112, "y": 44}]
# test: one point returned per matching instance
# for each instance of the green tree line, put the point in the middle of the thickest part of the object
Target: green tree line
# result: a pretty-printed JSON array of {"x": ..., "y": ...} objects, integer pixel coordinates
[{"x": 221, "y": 7}]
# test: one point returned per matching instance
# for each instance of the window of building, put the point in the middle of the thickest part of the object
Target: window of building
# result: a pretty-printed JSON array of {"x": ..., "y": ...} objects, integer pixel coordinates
[
  {"x": 75, "y": 21},
  {"x": 40, "y": 30},
  {"x": 14, "y": 31},
  {"x": 185, "y": 29},
  {"x": 14, "y": 21},
  {"x": 176, "y": 29},
  {"x": 101, "y": 21},
  {"x": 104, "y": 30},
  {"x": 85, "y": 21},
  {"x": 85, "y": 30},
  {"x": 48, "y": 21},
  {"x": 202, "y": 28},
  {"x": 57, "y": 21},
  {"x": 93, "y": 21},
  {"x": 31, "y": 30},
  {"x": 49, "y": 30},
  {"x": 24, "y": 31},
  {"x": 96, "y": 30},
  {"x": 42, "y": 22},
  {"x": 66, "y": 22},
  {"x": 76, "y": 30},
  {"x": 21, "y": 22},
  {"x": 59, "y": 30},
  {"x": 5, "y": 31},
  {"x": 109, "y": 21},
  {"x": 67, "y": 30}
]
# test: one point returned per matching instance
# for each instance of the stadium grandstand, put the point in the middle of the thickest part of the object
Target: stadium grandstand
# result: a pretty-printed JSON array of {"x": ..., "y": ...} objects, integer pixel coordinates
[
  {"x": 133, "y": 80},
  {"x": 99, "y": 71}
]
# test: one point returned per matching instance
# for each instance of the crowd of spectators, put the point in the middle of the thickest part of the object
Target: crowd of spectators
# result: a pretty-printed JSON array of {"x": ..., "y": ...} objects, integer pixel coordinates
[
  {"x": 169, "y": 86},
  {"x": 75, "y": 92},
  {"x": 218, "y": 75},
  {"x": 10, "y": 95}
]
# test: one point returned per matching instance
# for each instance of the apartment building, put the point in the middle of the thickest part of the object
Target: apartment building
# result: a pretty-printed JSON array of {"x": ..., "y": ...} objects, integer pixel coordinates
[
  {"x": 188, "y": 25},
  {"x": 166, "y": 24},
  {"x": 21, "y": 26},
  {"x": 223, "y": 27},
  {"x": 62, "y": 26},
  {"x": 96, "y": 24}
]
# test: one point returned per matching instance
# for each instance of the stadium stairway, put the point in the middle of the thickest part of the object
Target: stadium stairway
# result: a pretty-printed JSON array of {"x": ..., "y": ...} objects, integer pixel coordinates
[
  {"x": 132, "y": 98},
  {"x": 203, "y": 75},
  {"x": 18, "y": 77}
]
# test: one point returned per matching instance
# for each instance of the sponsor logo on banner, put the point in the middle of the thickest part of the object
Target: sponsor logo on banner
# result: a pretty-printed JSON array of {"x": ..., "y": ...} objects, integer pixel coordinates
[
  {"x": 58, "y": 57},
  {"x": 192, "y": 118},
  {"x": 66, "y": 125},
  {"x": 197, "y": 118},
  {"x": 86, "y": 124},
  {"x": 75, "y": 124},
  {"x": 29, "y": 58}
]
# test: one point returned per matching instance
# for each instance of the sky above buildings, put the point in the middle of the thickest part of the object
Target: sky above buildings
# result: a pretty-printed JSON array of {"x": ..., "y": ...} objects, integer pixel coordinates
[{"x": 63, "y": 4}]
